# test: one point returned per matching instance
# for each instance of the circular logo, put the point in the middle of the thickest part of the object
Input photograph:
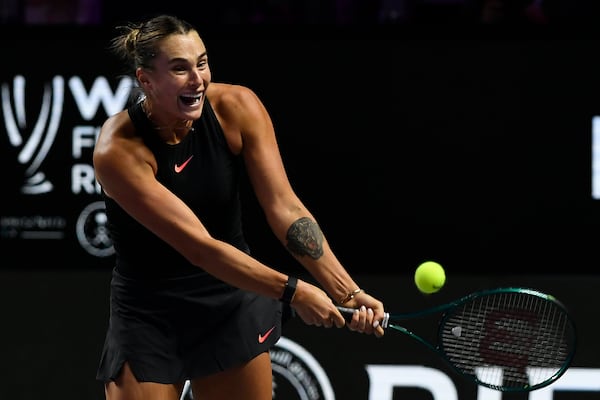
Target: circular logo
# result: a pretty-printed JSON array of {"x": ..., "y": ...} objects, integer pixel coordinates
[
  {"x": 297, "y": 374},
  {"x": 92, "y": 232}
]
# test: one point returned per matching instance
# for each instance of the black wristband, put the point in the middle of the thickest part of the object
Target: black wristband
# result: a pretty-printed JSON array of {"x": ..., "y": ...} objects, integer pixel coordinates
[{"x": 289, "y": 290}]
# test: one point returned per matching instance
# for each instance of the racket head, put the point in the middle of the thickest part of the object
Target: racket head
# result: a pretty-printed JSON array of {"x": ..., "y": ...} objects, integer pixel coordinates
[{"x": 508, "y": 339}]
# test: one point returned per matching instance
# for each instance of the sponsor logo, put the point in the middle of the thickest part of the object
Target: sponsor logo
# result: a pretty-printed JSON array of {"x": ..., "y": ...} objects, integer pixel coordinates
[
  {"x": 179, "y": 168},
  {"x": 32, "y": 227},
  {"x": 386, "y": 382},
  {"x": 297, "y": 374},
  {"x": 33, "y": 140},
  {"x": 49, "y": 125},
  {"x": 92, "y": 232},
  {"x": 261, "y": 338}
]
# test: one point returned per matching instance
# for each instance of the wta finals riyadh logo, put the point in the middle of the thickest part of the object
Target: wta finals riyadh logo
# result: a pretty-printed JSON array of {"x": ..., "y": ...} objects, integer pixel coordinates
[{"x": 33, "y": 147}]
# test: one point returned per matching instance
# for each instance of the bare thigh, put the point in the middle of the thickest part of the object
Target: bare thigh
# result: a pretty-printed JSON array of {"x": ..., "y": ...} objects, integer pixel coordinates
[
  {"x": 126, "y": 387},
  {"x": 251, "y": 381}
]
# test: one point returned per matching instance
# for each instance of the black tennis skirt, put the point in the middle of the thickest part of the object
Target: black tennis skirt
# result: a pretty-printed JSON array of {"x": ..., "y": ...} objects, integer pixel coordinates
[{"x": 171, "y": 330}]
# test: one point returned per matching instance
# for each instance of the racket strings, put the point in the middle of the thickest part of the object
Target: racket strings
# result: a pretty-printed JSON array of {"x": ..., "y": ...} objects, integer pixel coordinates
[{"x": 508, "y": 340}]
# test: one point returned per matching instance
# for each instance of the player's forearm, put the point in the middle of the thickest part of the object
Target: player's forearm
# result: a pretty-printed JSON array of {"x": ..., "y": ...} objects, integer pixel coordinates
[
  {"x": 239, "y": 269},
  {"x": 307, "y": 243}
]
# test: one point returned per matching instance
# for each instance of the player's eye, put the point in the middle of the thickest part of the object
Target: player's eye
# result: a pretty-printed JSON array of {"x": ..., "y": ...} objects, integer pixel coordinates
[{"x": 179, "y": 68}]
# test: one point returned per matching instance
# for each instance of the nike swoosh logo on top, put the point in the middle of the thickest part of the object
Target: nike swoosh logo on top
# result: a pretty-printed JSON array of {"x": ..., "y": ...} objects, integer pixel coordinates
[
  {"x": 179, "y": 168},
  {"x": 262, "y": 338}
]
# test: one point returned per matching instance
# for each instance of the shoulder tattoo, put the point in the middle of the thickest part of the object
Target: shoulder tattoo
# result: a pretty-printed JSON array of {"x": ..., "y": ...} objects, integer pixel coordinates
[{"x": 304, "y": 238}]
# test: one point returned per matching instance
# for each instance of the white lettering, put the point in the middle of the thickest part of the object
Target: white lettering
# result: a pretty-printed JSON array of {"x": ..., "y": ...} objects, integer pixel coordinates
[
  {"x": 485, "y": 393},
  {"x": 83, "y": 137},
  {"x": 383, "y": 379},
  {"x": 84, "y": 179},
  {"x": 89, "y": 103},
  {"x": 574, "y": 380}
]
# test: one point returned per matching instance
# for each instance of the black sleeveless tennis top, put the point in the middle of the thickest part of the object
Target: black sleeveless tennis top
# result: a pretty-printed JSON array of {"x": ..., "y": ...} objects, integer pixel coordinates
[{"x": 204, "y": 173}]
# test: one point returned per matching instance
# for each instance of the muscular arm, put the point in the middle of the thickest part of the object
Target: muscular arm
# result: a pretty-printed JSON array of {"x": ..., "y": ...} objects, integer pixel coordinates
[
  {"x": 295, "y": 227},
  {"x": 293, "y": 224},
  {"x": 126, "y": 170}
]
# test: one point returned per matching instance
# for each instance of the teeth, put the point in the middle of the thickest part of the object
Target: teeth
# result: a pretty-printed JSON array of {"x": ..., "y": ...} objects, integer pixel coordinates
[{"x": 191, "y": 99}]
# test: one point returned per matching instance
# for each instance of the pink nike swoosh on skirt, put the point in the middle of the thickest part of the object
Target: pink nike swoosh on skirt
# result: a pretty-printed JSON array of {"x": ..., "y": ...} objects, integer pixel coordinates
[{"x": 262, "y": 338}]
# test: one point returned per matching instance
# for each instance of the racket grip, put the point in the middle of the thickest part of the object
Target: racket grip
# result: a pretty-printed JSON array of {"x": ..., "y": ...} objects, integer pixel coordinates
[{"x": 347, "y": 313}]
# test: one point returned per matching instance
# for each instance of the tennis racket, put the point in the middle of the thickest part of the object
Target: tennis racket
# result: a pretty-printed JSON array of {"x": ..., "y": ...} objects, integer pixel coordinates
[{"x": 508, "y": 339}]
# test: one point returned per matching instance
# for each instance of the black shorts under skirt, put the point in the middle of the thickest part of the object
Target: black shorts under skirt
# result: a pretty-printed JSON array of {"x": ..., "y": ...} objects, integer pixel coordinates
[{"x": 174, "y": 329}]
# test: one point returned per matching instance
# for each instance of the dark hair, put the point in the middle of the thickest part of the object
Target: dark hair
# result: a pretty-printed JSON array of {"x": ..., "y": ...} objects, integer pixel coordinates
[{"x": 137, "y": 42}]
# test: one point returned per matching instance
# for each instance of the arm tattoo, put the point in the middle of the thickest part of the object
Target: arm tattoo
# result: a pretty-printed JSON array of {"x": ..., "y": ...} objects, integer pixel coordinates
[{"x": 305, "y": 238}]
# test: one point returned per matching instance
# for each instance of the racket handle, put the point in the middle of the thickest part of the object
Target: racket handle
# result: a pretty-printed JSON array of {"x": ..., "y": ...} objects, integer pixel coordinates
[{"x": 347, "y": 313}]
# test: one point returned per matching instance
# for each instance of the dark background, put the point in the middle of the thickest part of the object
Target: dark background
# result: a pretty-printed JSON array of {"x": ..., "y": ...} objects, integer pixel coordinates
[
  {"x": 475, "y": 152},
  {"x": 470, "y": 146},
  {"x": 283, "y": 12}
]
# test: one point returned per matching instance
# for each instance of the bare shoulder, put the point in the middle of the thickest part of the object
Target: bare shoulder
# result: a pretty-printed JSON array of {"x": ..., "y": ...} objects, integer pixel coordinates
[
  {"x": 230, "y": 99},
  {"x": 228, "y": 91},
  {"x": 116, "y": 127},
  {"x": 118, "y": 142},
  {"x": 241, "y": 114}
]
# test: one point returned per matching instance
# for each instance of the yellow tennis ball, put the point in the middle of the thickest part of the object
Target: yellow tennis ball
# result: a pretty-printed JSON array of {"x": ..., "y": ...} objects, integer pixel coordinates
[{"x": 430, "y": 277}]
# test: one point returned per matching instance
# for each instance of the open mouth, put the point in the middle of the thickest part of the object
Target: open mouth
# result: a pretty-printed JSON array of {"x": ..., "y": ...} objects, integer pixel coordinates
[{"x": 190, "y": 100}]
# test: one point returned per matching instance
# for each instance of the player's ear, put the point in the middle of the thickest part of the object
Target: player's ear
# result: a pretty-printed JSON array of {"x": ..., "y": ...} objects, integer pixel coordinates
[{"x": 142, "y": 77}]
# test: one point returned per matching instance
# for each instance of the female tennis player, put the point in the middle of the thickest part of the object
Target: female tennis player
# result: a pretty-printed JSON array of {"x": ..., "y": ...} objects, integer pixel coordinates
[{"x": 188, "y": 301}]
